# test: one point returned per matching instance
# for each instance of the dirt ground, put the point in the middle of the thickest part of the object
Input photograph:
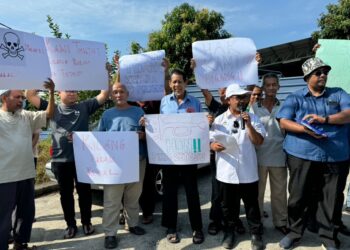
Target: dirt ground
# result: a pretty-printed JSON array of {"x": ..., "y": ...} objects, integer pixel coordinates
[{"x": 48, "y": 229}]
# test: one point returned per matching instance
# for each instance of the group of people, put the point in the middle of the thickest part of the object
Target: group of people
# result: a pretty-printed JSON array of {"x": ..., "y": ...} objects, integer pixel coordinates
[{"x": 270, "y": 140}]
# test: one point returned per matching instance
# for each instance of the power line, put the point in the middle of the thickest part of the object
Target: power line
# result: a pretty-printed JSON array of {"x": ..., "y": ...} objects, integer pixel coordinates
[{"x": 5, "y": 26}]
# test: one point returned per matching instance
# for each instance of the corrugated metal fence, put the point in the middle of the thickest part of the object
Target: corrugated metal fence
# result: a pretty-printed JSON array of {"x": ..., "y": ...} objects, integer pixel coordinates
[{"x": 288, "y": 85}]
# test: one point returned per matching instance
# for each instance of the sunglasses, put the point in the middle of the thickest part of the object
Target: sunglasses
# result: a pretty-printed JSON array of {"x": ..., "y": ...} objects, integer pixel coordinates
[
  {"x": 235, "y": 127},
  {"x": 320, "y": 72}
]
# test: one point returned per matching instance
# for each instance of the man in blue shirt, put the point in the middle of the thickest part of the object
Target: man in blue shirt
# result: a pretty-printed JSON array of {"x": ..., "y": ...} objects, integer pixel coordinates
[
  {"x": 317, "y": 159},
  {"x": 180, "y": 102},
  {"x": 122, "y": 117}
]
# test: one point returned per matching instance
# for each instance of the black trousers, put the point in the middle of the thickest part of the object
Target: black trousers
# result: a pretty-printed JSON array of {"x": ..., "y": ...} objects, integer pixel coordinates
[
  {"x": 231, "y": 195},
  {"x": 215, "y": 213},
  {"x": 172, "y": 175},
  {"x": 66, "y": 176},
  {"x": 311, "y": 180},
  {"x": 19, "y": 194},
  {"x": 148, "y": 196}
]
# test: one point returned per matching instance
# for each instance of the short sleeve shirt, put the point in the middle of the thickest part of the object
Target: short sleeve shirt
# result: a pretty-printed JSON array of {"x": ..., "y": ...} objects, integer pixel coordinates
[
  {"x": 16, "y": 153},
  {"x": 66, "y": 120},
  {"x": 128, "y": 119},
  {"x": 242, "y": 166},
  {"x": 335, "y": 147},
  {"x": 270, "y": 153}
]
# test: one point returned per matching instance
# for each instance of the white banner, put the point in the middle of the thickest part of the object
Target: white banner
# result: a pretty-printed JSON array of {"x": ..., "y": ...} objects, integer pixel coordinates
[
  {"x": 27, "y": 60},
  {"x": 220, "y": 63},
  {"x": 178, "y": 139},
  {"x": 23, "y": 60},
  {"x": 143, "y": 75},
  {"x": 76, "y": 64},
  {"x": 106, "y": 157}
]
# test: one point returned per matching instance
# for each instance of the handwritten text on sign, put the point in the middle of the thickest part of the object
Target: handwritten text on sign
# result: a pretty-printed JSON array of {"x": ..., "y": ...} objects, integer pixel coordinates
[
  {"x": 220, "y": 63},
  {"x": 177, "y": 139},
  {"x": 76, "y": 64},
  {"x": 106, "y": 157},
  {"x": 23, "y": 60},
  {"x": 143, "y": 75}
]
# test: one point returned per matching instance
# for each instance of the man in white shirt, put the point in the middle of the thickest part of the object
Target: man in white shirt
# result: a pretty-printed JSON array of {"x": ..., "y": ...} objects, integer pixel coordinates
[
  {"x": 236, "y": 164},
  {"x": 271, "y": 157},
  {"x": 17, "y": 170}
]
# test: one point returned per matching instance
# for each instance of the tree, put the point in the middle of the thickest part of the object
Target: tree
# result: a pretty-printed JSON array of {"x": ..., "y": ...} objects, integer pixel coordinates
[
  {"x": 136, "y": 48},
  {"x": 55, "y": 28},
  {"x": 183, "y": 26},
  {"x": 336, "y": 23}
]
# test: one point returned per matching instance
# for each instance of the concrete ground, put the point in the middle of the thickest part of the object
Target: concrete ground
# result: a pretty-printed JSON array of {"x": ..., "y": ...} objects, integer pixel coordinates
[{"x": 48, "y": 230}]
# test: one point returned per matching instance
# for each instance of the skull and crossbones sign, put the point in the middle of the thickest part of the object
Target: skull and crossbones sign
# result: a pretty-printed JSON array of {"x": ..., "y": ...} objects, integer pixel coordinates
[{"x": 12, "y": 46}]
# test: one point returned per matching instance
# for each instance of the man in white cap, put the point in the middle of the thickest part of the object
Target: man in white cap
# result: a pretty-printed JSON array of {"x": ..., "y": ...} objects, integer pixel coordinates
[
  {"x": 237, "y": 169},
  {"x": 315, "y": 119},
  {"x": 17, "y": 170}
]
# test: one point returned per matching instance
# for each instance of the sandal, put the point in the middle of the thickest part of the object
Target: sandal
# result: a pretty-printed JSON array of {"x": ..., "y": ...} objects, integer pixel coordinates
[
  {"x": 172, "y": 236},
  {"x": 70, "y": 232},
  {"x": 88, "y": 229}
]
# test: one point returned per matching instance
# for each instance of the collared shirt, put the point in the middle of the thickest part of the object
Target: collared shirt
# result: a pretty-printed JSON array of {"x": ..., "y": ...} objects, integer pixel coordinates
[
  {"x": 169, "y": 105},
  {"x": 270, "y": 153},
  {"x": 335, "y": 147},
  {"x": 242, "y": 166}
]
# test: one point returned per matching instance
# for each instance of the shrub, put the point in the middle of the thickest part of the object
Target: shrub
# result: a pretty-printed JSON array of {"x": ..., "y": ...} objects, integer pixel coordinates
[{"x": 44, "y": 157}]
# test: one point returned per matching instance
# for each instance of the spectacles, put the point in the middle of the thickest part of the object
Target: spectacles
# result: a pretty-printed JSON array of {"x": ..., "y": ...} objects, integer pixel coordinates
[
  {"x": 256, "y": 94},
  {"x": 320, "y": 72}
]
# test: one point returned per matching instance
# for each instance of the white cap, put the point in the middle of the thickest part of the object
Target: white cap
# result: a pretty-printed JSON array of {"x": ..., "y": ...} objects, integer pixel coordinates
[
  {"x": 3, "y": 91},
  {"x": 235, "y": 89}
]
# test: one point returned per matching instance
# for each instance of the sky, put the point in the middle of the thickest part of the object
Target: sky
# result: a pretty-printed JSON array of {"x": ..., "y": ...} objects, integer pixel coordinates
[{"x": 119, "y": 22}]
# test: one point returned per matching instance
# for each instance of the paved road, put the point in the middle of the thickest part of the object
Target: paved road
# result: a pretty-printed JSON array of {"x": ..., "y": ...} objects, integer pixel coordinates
[{"x": 48, "y": 230}]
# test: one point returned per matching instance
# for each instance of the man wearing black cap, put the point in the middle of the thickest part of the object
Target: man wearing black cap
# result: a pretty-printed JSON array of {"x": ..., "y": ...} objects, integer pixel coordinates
[{"x": 317, "y": 148}]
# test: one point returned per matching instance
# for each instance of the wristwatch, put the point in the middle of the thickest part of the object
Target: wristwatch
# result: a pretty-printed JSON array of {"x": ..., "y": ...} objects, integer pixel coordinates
[{"x": 326, "y": 119}]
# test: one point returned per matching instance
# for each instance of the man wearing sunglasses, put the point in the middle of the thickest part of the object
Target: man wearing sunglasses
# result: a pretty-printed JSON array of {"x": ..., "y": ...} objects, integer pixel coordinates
[{"x": 317, "y": 152}]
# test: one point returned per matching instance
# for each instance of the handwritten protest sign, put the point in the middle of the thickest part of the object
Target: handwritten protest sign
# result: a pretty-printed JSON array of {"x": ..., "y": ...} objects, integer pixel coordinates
[
  {"x": 336, "y": 53},
  {"x": 27, "y": 60},
  {"x": 106, "y": 157},
  {"x": 23, "y": 60},
  {"x": 77, "y": 64},
  {"x": 220, "y": 63},
  {"x": 177, "y": 139},
  {"x": 143, "y": 75}
]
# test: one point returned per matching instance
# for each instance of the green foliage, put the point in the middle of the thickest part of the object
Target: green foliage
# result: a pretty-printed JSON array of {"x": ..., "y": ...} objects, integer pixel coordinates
[
  {"x": 183, "y": 26},
  {"x": 114, "y": 65},
  {"x": 55, "y": 28},
  {"x": 336, "y": 23},
  {"x": 136, "y": 48},
  {"x": 44, "y": 157},
  {"x": 83, "y": 95}
]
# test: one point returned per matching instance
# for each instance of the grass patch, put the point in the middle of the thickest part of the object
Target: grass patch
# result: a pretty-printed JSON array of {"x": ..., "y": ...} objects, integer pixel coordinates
[{"x": 44, "y": 157}]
